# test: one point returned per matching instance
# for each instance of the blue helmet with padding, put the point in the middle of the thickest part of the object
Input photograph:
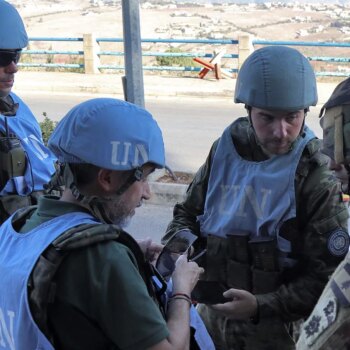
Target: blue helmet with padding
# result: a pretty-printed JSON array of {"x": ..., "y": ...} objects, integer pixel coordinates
[
  {"x": 12, "y": 31},
  {"x": 276, "y": 78},
  {"x": 108, "y": 133}
]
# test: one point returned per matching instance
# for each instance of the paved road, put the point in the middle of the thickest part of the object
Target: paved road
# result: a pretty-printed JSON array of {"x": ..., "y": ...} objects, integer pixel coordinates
[
  {"x": 150, "y": 221},
  {"x": 189, "y": 125}
]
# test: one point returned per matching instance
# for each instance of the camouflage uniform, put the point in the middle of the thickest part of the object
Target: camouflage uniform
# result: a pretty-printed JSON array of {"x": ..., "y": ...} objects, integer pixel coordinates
[
  {"x": 320, "y": 213},
  {"x": 328, "y": 327}
]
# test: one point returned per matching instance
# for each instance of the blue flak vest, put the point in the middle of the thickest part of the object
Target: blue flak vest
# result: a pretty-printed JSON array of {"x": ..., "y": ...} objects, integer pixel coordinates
[
  {"x": 251, "y": 196},
  {"x": 18, "y": 255},
  {"x": 40, "y": 160}
]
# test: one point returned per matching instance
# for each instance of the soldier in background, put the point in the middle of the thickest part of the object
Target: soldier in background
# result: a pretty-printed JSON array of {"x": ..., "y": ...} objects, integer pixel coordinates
[
  {"x": 25, "y": 163},
  {"x": 267, "y": 208},
  {"x": 328, "y": 327}
]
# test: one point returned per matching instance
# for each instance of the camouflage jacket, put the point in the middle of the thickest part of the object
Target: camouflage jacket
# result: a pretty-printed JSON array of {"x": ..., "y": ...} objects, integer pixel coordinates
[
  {"x": 320, "y": 212},
  {"x": 328, "y": 327}
]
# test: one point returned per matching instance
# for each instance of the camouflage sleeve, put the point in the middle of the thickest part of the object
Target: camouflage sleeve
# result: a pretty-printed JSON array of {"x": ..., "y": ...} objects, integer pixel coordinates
[
  {"x": 320, "y": 243},
  {"x": 328, "y": 325},
  {"x": 185, "y": 213}
]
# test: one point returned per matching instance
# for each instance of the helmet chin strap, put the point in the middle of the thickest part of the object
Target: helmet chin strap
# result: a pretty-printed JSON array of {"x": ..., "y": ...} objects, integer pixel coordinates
[
  {"x": 306, "y": 111},
  {"x": 95, "y": 203}
]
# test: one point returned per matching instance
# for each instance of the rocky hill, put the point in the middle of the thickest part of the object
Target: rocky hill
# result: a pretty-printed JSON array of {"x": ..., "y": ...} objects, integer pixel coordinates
[{"x": 175, "y": 19}]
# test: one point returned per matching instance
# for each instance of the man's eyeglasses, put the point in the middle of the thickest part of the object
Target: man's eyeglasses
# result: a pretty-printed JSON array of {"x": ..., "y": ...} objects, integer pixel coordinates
[
  {"x": 178, "y": 244},
  {"x": 8, "y": 56}
]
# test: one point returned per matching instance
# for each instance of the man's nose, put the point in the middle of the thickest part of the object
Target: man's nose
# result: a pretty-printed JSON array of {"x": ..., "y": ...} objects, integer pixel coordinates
[
  {"x": 11, "y": 68},
  {"x": 146, "y": 191},
  {"x": 280, "y": 129}
]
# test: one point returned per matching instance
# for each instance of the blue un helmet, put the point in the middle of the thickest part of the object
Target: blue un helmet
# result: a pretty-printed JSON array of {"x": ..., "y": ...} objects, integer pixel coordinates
[
  {"x": 276, "y": 78},
  {"x": 12, "y": 31},
  {"x": 110, "y": 134}
]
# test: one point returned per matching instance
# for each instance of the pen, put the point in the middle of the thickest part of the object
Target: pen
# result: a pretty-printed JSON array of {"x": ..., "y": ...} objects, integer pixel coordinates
[{"x": 198, "y": 255}]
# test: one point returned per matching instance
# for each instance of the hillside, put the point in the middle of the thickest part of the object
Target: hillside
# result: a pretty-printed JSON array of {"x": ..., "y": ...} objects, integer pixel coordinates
[
  {"x": 301, "y": 22},
  {"x": 275, "y": 22}
]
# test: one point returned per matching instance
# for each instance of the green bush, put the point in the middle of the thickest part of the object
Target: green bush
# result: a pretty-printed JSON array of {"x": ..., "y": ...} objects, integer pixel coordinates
[
  {"x": 175, "y": 61},
  {"x": 47, "y": 126}
]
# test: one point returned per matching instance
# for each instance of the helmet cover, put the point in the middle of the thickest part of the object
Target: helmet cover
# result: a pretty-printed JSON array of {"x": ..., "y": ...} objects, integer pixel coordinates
[
  {"x": 108, "y": 133},
  {"x": 276, "y": 78},
  {"x": 12, "y": 31}
]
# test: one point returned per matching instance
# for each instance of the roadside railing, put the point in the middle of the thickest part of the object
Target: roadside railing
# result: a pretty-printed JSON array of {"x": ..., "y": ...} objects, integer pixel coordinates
[
  {"x": 94, "y": 55},
  {"x": 171, "y": 54},
  {"x": 312, "y": 44}
]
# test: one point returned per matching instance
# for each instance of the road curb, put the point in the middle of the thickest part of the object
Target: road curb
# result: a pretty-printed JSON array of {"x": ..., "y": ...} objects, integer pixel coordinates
[
  {"x": 167, "y": 193},
  {"x": 90, "y": 89}
]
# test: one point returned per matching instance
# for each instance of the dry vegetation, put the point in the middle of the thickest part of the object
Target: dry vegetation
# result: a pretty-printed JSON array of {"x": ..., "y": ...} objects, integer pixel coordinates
[{"x": 60, "y": 18}]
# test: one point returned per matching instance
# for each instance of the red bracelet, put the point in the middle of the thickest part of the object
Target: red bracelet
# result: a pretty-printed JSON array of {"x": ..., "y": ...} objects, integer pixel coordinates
[
  {"x": 182, "y": 295},
  {"x": 182, "y": 298}
]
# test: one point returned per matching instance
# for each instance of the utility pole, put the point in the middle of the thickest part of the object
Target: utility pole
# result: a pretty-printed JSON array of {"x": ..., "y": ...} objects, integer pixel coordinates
[{"x": 133, "y": 80}]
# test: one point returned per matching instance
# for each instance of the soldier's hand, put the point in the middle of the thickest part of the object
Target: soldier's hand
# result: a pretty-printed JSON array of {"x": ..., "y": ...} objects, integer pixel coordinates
[
  {"x": 186, "y": 275},
  {"x": 150, "y": 249},
  {"x": 242, "y": 306}
]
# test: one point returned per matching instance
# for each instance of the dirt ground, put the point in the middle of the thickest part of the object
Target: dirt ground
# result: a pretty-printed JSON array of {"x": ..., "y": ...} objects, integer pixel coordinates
[{"x": 181, "y": 178}]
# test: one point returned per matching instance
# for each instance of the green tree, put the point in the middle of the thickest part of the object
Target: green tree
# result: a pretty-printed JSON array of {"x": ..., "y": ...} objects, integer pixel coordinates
[{"x": 47, "y": 126}]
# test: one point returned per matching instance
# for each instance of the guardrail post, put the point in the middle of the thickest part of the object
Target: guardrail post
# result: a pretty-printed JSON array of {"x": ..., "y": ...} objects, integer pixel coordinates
[
  {"x": 133, "y": 52},
  {"x": 91, "y": 59},
  {"x": 245, "y": 48}
]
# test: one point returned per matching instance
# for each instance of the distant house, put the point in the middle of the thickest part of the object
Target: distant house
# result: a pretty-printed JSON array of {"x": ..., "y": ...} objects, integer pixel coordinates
[
  {"x": 96, "y": 3},
  {"x": 301, "y": 32},
  {"x": 216, "y": 35},
  {"x": 319, "y": 28},
  {"x": 161, "y": 29},
  {"x": 267, "y": 5},
  {"x": 345, "y": 30},
  {"x": 147, "y": 5}
]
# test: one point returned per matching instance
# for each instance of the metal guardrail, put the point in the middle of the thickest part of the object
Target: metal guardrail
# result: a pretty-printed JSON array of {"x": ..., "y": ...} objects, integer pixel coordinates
[
  {"x": 315, "y": 58},
  {"x": 121, "y": 53},
  {"x": 231, "y": 59}
]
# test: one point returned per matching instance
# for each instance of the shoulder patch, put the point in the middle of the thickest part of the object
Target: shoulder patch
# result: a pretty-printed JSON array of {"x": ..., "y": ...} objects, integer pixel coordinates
[{"x": 338, "y": 242}]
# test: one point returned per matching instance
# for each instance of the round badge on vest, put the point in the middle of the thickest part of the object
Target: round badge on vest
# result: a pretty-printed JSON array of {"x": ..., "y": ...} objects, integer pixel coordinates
[{"x": 338, "y": 242}]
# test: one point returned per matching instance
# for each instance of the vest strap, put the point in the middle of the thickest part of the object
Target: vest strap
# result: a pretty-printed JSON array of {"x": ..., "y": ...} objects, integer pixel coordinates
[{"x": 42, "y": 286}]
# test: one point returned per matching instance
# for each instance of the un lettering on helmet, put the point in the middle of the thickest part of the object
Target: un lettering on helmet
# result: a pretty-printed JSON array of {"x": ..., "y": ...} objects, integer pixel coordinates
[
  {"x": 12, "y": 31},
  {"x": 276, "y": 78},
  {"x": 123, "y": 152}
]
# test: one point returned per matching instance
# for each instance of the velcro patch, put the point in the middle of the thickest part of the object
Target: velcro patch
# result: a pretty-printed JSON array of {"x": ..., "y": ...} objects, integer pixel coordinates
[{"x": 338, "y": 242}]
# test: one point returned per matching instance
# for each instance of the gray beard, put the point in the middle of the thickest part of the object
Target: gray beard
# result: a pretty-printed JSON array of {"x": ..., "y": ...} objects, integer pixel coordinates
[
  {"x": 124, "y": 222},
  {"x": 117, "y": 212}
]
